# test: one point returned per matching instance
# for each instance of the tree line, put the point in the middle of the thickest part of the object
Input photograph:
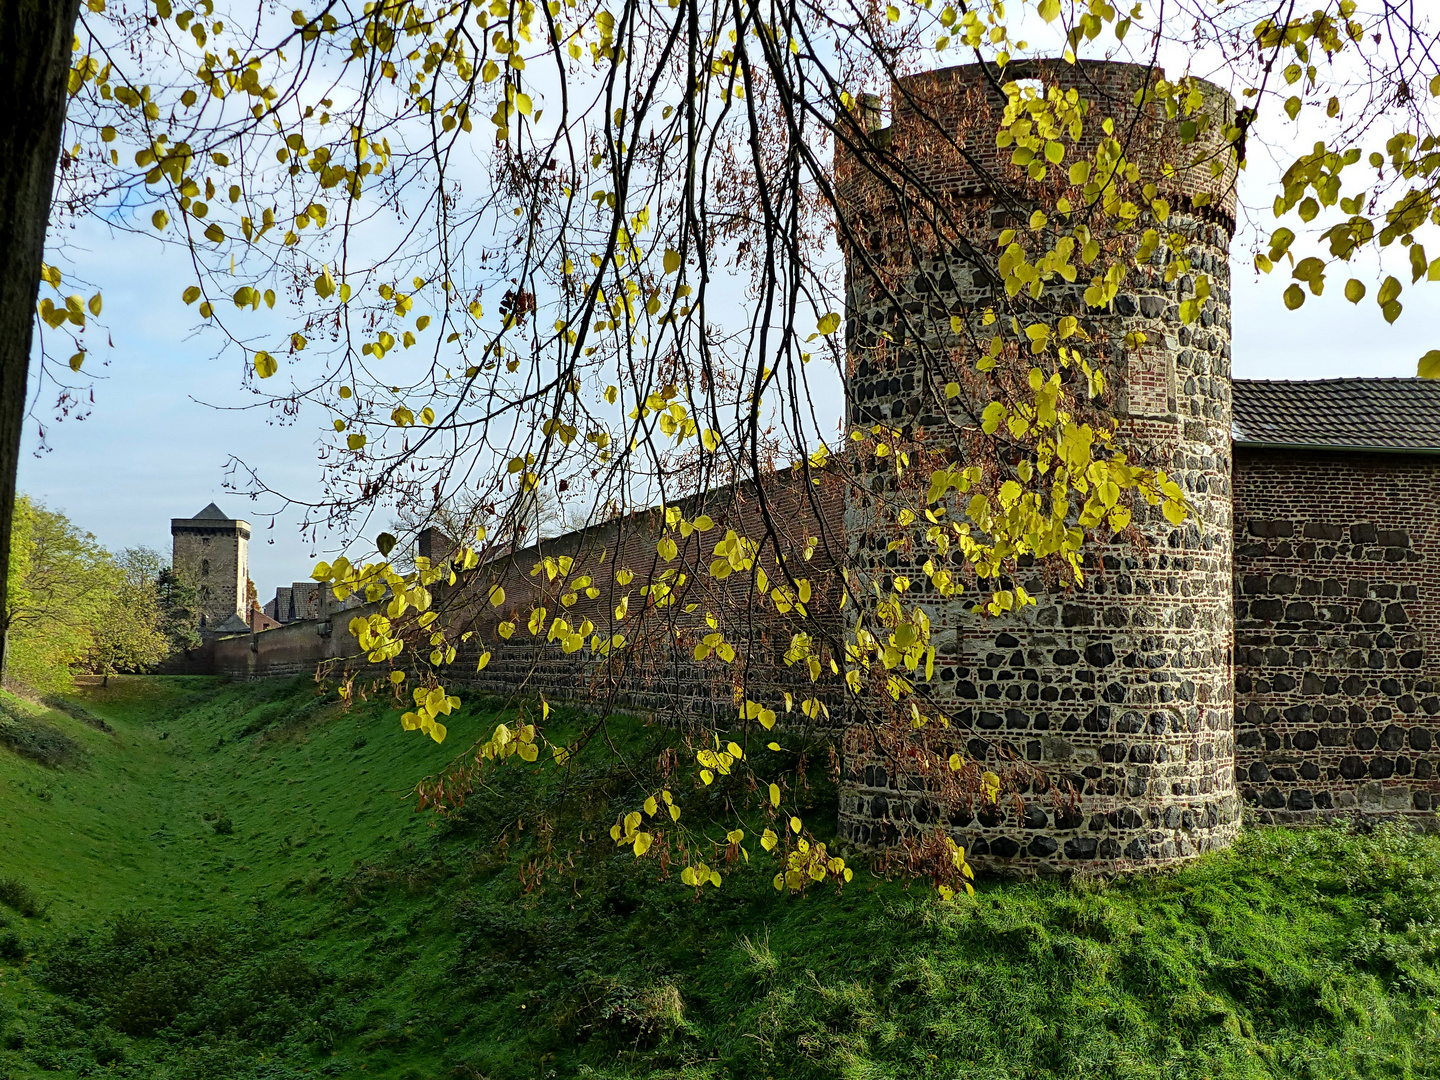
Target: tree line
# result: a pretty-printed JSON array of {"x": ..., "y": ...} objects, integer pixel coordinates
[{"x": 73, "y": 607}]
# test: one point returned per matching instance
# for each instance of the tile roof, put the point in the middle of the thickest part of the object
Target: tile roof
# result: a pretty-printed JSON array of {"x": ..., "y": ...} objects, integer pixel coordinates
[
  {"x": 1343, "y": 414},
  {"x": 235, "y": 624},
  {"x": 212, "y": 511}
]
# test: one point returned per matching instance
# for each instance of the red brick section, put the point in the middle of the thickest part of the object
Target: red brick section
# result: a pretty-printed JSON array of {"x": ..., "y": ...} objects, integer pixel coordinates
[{"x": 1337, "y": 606}]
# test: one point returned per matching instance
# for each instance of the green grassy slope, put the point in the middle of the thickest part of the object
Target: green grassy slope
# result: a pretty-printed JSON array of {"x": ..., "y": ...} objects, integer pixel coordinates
[{"x": 324, "y": 928}]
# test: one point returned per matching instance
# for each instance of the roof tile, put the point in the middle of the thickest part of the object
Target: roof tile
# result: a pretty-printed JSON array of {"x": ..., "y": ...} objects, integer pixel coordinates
[{"x": 1348, "y": 414}]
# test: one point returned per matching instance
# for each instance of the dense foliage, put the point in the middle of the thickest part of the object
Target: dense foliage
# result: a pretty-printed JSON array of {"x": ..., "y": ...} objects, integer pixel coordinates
[{"x": 73, "y": 606}]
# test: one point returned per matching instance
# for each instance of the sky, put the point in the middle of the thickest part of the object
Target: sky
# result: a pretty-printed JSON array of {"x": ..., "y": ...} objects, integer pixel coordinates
[{"x": 164, "y": 423}]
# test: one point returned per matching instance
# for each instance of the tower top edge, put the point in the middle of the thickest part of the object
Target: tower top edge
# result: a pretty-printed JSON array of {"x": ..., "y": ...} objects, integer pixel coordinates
[{"x": 1040, "y": 66}]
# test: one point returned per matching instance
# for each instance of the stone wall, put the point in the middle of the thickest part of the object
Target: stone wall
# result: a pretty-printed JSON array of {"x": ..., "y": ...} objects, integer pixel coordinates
[
  {"x": 1337, "y": 607},
  {"x": 657, "y": 672},
  {"x": 213, "y": 554},
  {"x": 1118, "y": 693},
  {"x": 1336, "y": 704},
  {"x": 293, "y": 649}
]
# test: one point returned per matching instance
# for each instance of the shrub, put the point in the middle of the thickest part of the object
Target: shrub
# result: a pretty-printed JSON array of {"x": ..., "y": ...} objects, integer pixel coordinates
[
  {"x": 32, "y": 738},
  {"x": 145, "y": 978},
  {"x": 12, "y": 948},
  {"x": 18, "y": 896}
]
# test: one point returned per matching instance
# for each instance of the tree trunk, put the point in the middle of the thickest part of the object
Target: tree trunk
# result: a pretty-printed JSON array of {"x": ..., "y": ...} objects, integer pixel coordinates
[{"x": 35, "y": 51}]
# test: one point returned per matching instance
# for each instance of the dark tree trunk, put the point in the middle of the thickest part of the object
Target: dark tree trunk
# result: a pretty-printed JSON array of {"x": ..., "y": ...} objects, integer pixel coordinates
[{"x": 35, "y": 40}]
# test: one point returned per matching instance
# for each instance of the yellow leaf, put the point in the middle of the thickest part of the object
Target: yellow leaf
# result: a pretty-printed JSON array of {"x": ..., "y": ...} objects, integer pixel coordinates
[
  {"x": 265, "y": 366},
  {"x": 642, "y": 843},
  {"x": 795, "y": 824},
  {"x": 829, "y": 323},
  {"x": 1430, "y": 365},
  {"x": 497, "y": 596},
  {"x": 775, "y": 795}
]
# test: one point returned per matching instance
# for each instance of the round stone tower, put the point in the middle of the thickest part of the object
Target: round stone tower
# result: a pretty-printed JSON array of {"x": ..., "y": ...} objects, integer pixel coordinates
[{"x": 1117, "y": 694}]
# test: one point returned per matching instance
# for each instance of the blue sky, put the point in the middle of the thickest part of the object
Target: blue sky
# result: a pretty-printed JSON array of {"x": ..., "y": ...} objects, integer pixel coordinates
[{"x": 155, "y": 446}]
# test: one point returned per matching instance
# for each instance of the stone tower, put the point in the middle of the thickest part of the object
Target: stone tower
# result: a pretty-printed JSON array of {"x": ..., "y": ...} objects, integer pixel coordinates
[
  {"x": 212, "y": 552},
  {"x": 1119, "y": 692}
]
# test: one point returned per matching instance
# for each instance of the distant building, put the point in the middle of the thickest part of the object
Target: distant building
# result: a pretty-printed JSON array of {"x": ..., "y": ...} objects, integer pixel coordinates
[
  {"x": 304, "y": 600},
  {"x": 212, "y": 552}
]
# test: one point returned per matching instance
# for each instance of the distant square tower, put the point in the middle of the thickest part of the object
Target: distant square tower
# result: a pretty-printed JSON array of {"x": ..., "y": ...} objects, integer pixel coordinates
[{"x": 212, "y": 552}]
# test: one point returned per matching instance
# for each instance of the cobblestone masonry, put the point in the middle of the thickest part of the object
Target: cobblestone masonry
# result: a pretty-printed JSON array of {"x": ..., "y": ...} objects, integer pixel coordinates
[
  {"x": 1119, "y": 693},
  {"x": 1337, "y": 683}
]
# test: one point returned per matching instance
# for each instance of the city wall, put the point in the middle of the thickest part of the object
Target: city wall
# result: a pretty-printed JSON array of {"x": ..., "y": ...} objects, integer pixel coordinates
[{"x": 1270, "y": 652}]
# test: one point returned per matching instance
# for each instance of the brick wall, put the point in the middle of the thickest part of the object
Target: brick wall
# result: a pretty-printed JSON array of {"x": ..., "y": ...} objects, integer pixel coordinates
[{"x": 1337, "y": 606}]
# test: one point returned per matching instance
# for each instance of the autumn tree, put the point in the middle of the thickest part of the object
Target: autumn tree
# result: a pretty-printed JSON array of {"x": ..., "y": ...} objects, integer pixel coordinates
[{"x": 519, "y": 247}]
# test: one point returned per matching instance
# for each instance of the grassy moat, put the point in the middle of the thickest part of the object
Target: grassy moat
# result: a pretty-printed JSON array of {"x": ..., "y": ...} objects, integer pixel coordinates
[{"x": 233, "y": 883}]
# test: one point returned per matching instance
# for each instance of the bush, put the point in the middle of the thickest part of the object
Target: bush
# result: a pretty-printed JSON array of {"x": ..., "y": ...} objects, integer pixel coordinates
[
  {"x": 18, "y": 896},
  {"x": 32, "y": 738},
  {"x": 12, "y": 948},
  {"x": 145, "y": 978}
]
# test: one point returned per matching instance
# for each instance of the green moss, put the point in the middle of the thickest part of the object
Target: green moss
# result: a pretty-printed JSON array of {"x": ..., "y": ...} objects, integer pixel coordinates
[{"x": 333, "y": 931}]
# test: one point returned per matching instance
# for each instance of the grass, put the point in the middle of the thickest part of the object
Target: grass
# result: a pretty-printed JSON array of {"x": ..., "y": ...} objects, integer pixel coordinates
[{"x": 233, "y": 884}]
